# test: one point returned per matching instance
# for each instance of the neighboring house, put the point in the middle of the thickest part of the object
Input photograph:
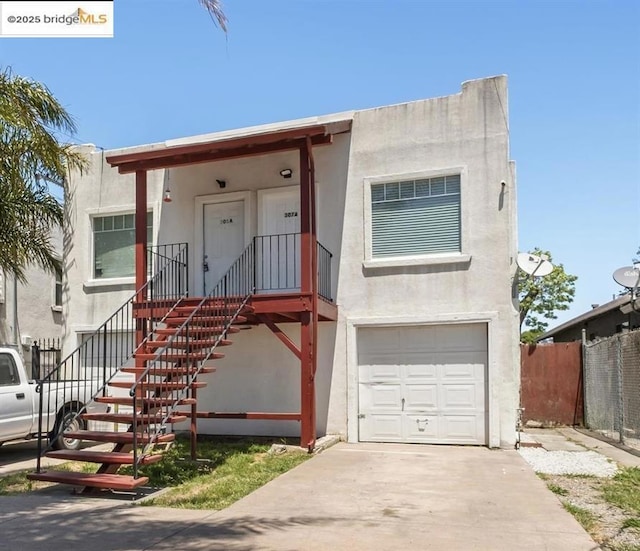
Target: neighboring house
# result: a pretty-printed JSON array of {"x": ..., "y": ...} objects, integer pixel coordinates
[
  {"x": 601, "y": 321},
  {"x": 416, "y": 338},
  {"x": 33, "y": 310}
]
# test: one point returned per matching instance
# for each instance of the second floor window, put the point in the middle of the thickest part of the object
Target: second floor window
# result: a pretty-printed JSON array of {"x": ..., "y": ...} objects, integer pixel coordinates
[{"x": 114, "y": 245}]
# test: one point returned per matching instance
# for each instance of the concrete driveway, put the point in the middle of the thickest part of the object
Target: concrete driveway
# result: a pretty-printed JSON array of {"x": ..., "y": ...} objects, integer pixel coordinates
[{"x": 352, "y": 497}]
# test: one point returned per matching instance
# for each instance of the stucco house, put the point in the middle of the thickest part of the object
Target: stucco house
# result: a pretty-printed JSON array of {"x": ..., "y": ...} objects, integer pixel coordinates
[
  {"x": 32, "y": 310},
  {"x": 372, "y": 254}
]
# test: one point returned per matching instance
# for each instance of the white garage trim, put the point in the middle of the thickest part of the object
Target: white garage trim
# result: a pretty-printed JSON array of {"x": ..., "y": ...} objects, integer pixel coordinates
[{"x": 352, "y": 325}]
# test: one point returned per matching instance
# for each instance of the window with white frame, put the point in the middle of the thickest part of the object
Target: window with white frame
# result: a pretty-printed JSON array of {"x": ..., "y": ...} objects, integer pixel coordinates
[
  {"x": 114, "y": 245},
  {"x": 415, "y": 217}
]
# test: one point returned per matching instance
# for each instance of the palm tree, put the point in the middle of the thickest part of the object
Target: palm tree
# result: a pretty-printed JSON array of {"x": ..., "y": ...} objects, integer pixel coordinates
[
  {"x": 30, "y": 155},
  {"x": 214, "y": 7}
]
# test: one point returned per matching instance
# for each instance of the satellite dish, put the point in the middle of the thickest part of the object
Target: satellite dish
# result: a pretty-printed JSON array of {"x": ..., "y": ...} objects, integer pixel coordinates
[
  {"x": 534, "y": 265},
  {"x": 627, "y": 276}
]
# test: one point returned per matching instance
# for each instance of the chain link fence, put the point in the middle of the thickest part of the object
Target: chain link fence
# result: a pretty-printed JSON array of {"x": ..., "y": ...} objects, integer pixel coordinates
[{"x": 612, "y": 387}]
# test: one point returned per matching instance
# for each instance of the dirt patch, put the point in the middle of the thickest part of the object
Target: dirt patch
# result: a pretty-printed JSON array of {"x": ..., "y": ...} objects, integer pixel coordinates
[{"x": 609, "y": 527}]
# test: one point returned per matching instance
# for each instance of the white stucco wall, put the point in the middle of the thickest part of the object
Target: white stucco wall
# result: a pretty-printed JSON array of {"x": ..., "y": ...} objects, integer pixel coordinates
[
  {"x": 38, "y": 316},
  {"x": 464, "y": 133}
]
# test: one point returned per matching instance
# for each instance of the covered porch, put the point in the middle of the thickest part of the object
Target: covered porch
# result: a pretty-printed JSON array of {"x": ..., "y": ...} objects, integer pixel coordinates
[{"x": 280, "y": 276}]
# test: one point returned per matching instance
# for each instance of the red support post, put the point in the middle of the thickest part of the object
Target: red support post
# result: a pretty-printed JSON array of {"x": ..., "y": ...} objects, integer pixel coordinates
[
  {"x": 141, "y": 251},
  {"x": 307, "y": 360}
]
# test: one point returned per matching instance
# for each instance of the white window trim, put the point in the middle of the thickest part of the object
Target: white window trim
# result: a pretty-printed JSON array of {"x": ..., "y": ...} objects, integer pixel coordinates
[
  {"x": 93, "y": 283},
  {"x": 411, "y": 260}
]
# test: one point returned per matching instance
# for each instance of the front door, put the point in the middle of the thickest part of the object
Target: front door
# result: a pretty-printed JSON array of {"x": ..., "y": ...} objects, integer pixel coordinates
[
  {"x": 278, "y": 246},
  {"x": 223, "y": 228}
]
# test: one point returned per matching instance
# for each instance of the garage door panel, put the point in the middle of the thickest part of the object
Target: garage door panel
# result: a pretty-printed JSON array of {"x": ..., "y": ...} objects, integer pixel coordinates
[
  {"x": 461, "y": 337},
  {"x": 378, "y": 373},
  {"x": 377, "y": 340},
  {"x": 421, "y": 428},
  {"x": 381, "y": 397},
  {"x": 420, "y": 397},
  {"x": 462, "y": 429},
  {"x": 420, "y": 371},
  {"x": 459, "y": 396},
  {"x": 412, "y": 338},
  {"x": 381, "y": 428}
]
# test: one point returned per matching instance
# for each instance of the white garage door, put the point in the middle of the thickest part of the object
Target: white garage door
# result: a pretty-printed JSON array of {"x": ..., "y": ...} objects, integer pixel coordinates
[{"x": 423, "y": 384}]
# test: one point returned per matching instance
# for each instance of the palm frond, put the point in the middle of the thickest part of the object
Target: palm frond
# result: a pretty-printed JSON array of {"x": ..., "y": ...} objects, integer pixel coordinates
[{"x": 214, "y": 7}]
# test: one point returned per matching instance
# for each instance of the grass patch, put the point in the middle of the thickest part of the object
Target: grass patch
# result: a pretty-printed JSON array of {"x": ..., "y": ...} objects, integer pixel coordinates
[
  {"x": 631, "y": 523},
  {"x": 623, "y": 490},
  {"x": 543, "y": 476},
  {"x": 558, "y": 490},
  {"x": 586, "y": 518},
  {"x": 225, "y": 471},
  {"x": 15, "y": 483}
]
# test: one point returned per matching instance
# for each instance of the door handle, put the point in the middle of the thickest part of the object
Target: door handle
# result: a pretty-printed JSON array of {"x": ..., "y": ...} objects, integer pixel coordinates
[
  {"x": 403, "y": 404},
  {"x": 20, "y": 395}
]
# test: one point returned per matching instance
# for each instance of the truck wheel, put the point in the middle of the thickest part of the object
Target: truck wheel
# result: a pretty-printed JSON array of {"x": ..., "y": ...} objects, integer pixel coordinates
[{"x": 66, "y": 422}]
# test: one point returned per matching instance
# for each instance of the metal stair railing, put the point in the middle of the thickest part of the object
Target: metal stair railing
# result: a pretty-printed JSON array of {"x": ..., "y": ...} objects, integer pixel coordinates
[
  {"x": 85, "y": 374},
  {"x": 170, "y": 375}
]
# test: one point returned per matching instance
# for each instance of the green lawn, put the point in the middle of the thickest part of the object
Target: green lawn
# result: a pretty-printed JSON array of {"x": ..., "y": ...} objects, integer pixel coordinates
[{"x": 226, "y": 470}]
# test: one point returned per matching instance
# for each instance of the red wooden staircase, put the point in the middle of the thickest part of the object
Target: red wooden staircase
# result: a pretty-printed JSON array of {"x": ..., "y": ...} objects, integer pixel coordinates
[
  {"x": 167, "y": 372},
  {"x": 183, "y": 336}
]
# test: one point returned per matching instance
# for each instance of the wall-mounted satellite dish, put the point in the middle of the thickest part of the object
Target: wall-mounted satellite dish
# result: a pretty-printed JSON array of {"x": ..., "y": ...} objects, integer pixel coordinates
[
  {"x": 534, "y": 265},
  {"x": 627, "y": 276}
]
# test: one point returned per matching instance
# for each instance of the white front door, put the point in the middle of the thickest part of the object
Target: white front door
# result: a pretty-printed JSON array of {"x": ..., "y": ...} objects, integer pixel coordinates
[
  {"x": 278, "y": 245},
  {"x": 423, "y": 384},
  {"x": 223, "y": 238},
  {"x": 16, "y": 407}
]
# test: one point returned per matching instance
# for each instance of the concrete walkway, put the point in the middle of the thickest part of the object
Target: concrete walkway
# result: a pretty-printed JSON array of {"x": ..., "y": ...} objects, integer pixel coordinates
[{"x": 352, "y": 497}]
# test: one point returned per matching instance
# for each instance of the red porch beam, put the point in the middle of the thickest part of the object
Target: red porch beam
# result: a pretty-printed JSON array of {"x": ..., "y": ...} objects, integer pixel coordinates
[
  {"x": 281, "y": 335},
  {"x": 210, "y": 154},
  {"x": 246, "y": 415},
  {"x": 301, "y": 132}
]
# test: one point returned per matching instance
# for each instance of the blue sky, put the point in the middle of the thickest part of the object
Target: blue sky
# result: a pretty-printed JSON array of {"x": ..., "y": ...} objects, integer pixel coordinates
[{"x": 574, "y": 86}]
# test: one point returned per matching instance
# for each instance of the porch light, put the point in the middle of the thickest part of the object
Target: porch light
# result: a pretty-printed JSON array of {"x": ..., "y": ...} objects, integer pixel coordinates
[
  {"x": 167, "y": 196},
  {"x": 286, "y": 173}
]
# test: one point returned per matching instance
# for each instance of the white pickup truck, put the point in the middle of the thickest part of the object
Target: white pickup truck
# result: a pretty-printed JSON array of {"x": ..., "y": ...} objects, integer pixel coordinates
[{"x": 20, "y": 404}]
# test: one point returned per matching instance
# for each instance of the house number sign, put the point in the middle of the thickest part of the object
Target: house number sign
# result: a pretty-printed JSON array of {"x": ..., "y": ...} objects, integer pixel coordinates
[
  {"x": 226, "y": 221},
  {"x": 291, "y": 214}
]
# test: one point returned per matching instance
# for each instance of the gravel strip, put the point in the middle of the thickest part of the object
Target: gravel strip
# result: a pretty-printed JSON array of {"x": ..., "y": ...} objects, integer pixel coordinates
[{"x": 563, "y": 462}]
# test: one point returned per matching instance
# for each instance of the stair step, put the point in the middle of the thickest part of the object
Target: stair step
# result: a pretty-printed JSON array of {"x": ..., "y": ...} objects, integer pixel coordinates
[
  {"x": 159, "y": 386},
  {"x": 118, "y": 437},
  {"x": 127, "y": 418},
  {"x": 176, "y": 356},
  {"x": 112, "y": 458},
  {"x": 164, "y": 371},
  {"x": 105, "y": 481},
  {"x": 197, "y": 331},
  {"x": 202, "y": 321},
  {"x": 153, "y": 402},
  {"x": 195, "y": 343}
]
